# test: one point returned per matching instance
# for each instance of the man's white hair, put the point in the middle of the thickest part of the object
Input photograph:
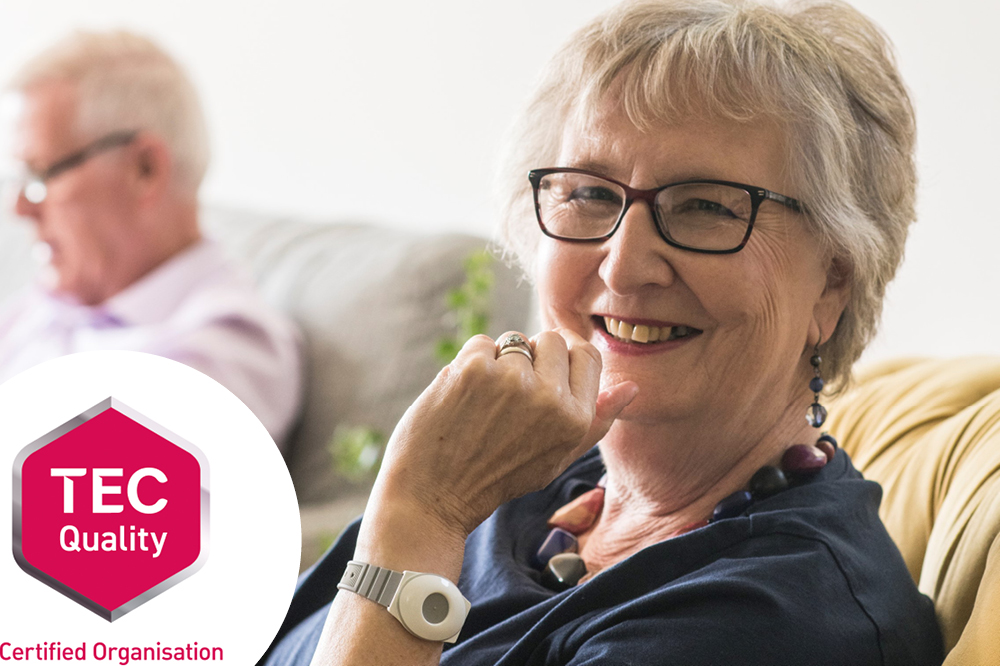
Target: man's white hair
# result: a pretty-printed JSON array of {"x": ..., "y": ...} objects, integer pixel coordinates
[{"x": 126, "y": 82}]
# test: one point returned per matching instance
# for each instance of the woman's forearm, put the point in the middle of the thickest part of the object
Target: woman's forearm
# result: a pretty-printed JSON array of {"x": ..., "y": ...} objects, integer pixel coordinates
[{"x": 398, "y": 535}]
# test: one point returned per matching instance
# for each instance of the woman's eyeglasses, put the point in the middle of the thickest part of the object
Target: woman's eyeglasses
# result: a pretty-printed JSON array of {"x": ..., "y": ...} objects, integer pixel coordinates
[{"x": 712, "y": 216}]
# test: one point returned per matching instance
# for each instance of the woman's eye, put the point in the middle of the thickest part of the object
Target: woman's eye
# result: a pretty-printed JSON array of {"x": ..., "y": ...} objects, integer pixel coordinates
[
  {"x": 596, "y": 194},
  {"x": 706, "y": 206}
]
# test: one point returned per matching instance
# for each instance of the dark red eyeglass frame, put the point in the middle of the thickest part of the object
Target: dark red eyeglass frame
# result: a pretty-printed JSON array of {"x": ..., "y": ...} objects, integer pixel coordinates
[{"x": 757, "y": 196}]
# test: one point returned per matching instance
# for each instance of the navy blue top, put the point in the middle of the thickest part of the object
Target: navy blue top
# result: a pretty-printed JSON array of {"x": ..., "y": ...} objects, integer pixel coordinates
[{"x": 808, "y": 576}]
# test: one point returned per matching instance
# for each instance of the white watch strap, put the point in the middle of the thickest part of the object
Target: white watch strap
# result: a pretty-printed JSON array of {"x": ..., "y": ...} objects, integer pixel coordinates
[{"x": 370, "y": 581}]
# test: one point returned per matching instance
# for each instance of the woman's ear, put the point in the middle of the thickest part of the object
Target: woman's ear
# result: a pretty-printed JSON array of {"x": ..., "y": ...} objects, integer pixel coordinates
[{"x": 831, "y": 303}]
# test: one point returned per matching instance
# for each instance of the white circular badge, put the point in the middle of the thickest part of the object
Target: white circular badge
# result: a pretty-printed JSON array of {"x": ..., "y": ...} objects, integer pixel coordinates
[{"x": 152, "y": 517}]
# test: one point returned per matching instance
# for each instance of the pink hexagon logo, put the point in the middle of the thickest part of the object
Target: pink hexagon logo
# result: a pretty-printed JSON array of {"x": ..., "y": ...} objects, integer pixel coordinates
[{"x": 110, "y": 509}]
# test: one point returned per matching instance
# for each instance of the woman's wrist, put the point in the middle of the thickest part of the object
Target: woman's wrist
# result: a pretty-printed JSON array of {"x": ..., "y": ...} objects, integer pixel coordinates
[{"x": 399, "y": 533}]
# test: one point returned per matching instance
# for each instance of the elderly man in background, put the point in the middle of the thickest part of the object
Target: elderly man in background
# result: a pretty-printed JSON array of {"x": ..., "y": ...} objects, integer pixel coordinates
[{"x": 112, "y": 147}]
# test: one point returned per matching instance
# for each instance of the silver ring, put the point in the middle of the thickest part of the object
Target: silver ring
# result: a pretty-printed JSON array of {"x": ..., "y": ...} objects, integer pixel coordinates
[{"x": 514, "y": 343}]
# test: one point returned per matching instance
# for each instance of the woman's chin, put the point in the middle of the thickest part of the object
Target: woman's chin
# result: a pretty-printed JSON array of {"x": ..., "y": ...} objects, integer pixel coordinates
[{"x": 656, "y": 403}]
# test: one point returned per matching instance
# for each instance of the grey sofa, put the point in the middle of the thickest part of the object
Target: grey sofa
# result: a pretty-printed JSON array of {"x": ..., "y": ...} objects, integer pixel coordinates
[{"x": 371, "y": 303}]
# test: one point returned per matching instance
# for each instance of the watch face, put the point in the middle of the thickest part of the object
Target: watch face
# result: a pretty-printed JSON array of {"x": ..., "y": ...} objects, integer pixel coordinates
[
  {"x": 430, "y": 607},
  {"x": 435, "y": 608}
]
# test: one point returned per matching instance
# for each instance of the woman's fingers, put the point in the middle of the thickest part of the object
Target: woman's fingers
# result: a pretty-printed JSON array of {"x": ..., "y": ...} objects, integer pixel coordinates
[
  {"x": 585, "y": 381},
  {"x": 610, "y": 403},
  {"x": 564, "y": 359},
  {"x": 584, "y": 366},
  {"x": 581, "y": 363},
  {"x": 476, "y": 345},
  {"x": 551, "y": 358},
  {"x": 513, "y": 346}
]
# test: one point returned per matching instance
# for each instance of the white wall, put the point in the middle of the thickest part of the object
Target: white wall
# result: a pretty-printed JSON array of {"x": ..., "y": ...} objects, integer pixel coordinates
[{"x": 393, "y": 112}]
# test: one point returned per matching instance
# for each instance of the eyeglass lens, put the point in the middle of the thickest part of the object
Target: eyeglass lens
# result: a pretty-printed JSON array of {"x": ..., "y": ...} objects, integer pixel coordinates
[
  {"x": 705, "y": 216},
  {"x": 35, "y": 191}
]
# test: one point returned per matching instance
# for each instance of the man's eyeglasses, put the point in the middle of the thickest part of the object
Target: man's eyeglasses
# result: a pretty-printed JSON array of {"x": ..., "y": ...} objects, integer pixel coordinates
[
  {"x": 711, "y": 216},
  {"x": 34, "y": 184}
]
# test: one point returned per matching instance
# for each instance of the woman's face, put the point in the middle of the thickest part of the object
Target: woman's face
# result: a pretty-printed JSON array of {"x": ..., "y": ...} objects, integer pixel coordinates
[{"x": 752, "y": 317}]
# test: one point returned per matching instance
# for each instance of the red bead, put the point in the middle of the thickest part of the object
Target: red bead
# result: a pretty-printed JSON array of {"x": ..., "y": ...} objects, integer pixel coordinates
[
  {"x": 827, "y": 437},
  {"x": 827, "y": 448},
  {"x": 803, "y": 459}
]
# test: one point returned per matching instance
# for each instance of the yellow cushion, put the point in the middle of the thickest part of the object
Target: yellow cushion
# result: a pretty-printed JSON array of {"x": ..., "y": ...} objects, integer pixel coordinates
[{"x": 929, "y": 432}]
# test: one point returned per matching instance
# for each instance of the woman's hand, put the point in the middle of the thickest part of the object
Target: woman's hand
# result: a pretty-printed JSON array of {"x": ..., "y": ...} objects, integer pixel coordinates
[
  {"x": 489, "y": 429},
  {"x": 486, "y": 430}
]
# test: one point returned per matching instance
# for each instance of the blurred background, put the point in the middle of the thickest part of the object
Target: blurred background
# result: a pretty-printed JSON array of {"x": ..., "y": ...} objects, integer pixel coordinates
[{"x": 393, "y": 112}]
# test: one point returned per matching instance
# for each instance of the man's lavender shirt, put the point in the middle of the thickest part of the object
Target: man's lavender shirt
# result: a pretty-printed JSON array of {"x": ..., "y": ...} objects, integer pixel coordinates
[{"x": 196, "y": 308}]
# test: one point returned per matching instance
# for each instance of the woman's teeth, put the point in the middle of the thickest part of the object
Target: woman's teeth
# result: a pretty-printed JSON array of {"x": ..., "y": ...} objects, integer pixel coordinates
[{"x": 644, "y": 334}]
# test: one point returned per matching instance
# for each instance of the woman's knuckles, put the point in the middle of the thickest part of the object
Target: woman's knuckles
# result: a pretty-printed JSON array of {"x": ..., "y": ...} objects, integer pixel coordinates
[
  {"x": 474, "y": 367},
  {"x": 588, "y": 353},
  {"x": 505, "y": 405}
]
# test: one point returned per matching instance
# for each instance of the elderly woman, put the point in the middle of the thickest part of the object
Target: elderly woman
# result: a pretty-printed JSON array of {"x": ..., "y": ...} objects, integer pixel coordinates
[{"x": 719, "y": 192}]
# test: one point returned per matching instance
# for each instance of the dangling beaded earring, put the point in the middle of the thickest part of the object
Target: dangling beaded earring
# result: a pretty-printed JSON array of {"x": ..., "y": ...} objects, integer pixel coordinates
[{"x": 816, "y": 414}]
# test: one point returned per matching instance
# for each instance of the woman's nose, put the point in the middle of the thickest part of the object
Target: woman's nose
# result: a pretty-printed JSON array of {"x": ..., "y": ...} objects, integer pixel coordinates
[{"x": 636, "y": 254}]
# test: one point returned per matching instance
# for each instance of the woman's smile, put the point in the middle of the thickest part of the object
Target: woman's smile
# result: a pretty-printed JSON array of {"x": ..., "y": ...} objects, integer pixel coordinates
[{"x": 639, "y": 336}]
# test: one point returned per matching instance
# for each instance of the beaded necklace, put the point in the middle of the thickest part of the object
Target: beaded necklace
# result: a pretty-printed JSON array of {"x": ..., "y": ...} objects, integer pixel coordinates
[{"x": 561, "y": 566}]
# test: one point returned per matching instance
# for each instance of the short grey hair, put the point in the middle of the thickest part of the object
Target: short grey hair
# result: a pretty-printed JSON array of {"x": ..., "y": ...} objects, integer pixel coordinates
[
  {"x": 822, "y": 70},
  {"x": 126, "y": 82}
]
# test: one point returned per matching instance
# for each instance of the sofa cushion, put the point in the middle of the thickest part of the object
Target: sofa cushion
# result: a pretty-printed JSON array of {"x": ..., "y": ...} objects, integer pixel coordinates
[
  {"x": 929, "y": 432},
  {"x": 372, "y": 306}
]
